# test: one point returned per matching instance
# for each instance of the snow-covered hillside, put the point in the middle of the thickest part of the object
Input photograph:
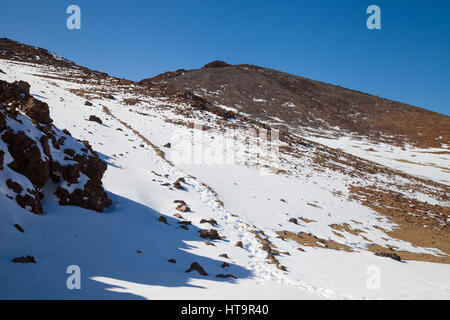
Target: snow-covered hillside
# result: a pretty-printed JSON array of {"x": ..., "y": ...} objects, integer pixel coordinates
[{"x": 309, "y": 218}]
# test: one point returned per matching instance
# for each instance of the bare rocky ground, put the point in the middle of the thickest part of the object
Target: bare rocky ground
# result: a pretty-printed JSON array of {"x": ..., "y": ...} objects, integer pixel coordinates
[{"x": 401, "y": 216}]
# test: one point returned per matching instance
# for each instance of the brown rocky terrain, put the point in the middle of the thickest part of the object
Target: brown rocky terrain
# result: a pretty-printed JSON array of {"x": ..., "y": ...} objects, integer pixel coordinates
[{"x": 298, "y": 102}]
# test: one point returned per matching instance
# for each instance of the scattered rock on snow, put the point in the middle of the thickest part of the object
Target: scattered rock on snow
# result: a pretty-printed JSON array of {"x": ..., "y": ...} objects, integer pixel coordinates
[
  {"x": 229, "y": 275},
  {"x": 89, "y": 104},
  {"x": 162, "y": 219},
  {"x": 167, "y": 145},
  {"x": 195, "y": 266},
  {"x": 293, "y": 220},
  {"x": 27, "y": 259},
  {"x": 179, "y": 216},
  {"x": 172, "y": 261},
  {"x": 177, "y": 185},
  {"x": 211, "y": 234},
  {"x": 239, "y": 244},
  {"x": 210, "y": 221}
]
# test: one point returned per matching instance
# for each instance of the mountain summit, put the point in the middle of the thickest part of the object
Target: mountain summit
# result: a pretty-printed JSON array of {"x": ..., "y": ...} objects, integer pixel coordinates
[{"x": 182, "y": 186}]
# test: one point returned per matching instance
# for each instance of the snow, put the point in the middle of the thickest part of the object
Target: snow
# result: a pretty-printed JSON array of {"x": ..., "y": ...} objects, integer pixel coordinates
[{"x": 105, "y": 245}]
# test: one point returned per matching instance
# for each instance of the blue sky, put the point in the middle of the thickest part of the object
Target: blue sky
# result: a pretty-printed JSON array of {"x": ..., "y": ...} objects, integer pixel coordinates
[{"x": 408, "y": 60}]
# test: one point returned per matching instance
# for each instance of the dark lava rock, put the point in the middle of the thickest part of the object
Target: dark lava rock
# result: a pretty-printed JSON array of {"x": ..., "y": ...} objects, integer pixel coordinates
[
  {"x": 183, "y": 208},
  {"x": 229, "y": 275},
  {"x": 210, "y": 221},
  {"x": 162, "y": 219},
  {"x": 195, "y": 266},
  {"x": 18, "y": 227},
  {"x": 37, "y": 159},
  {"x": 211, "y": 234},
  {"x": 177, "y": 185}
]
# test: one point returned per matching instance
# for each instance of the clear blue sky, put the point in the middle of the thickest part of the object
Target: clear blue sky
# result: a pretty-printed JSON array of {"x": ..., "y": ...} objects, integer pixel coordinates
[{"x": 408, "y": 60}]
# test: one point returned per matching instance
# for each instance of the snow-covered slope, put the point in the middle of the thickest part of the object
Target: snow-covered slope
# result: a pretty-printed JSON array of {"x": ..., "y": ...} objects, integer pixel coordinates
[{"x": 123, "y": 253}]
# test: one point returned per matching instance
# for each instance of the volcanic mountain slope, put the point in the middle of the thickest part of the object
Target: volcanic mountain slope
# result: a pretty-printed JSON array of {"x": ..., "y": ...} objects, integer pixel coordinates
[{"x": 211, "y": 203}]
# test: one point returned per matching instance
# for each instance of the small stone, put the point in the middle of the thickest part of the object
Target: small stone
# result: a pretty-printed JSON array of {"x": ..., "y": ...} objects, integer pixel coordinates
[
  {"x": 195, "y": 266},
  {"x": 18, "y": 227},
  {"x": 183, "y": 208},
  {"x": 27, "y": 259}
]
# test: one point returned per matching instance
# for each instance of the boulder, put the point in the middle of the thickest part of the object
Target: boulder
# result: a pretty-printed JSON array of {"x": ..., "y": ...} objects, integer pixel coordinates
[
  {"x": 195, "y": 266},
  {"x": 95, "y": 119}
]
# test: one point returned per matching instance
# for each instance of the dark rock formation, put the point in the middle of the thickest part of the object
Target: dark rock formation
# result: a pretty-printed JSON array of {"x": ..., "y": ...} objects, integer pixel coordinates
[
  {"x": 210, "y": 221},
  {"x": 229, "y": 275},
  {"x": 162, "y": 219},
  {"x": 183, "y": 208},
  {"x": 216, "y": 64},
  {"x": 95, "y": 119},
  {"x": 40, "y": 152},
  {"x": 27, "y": 259},
  {"x": 211, "y": 234}
]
